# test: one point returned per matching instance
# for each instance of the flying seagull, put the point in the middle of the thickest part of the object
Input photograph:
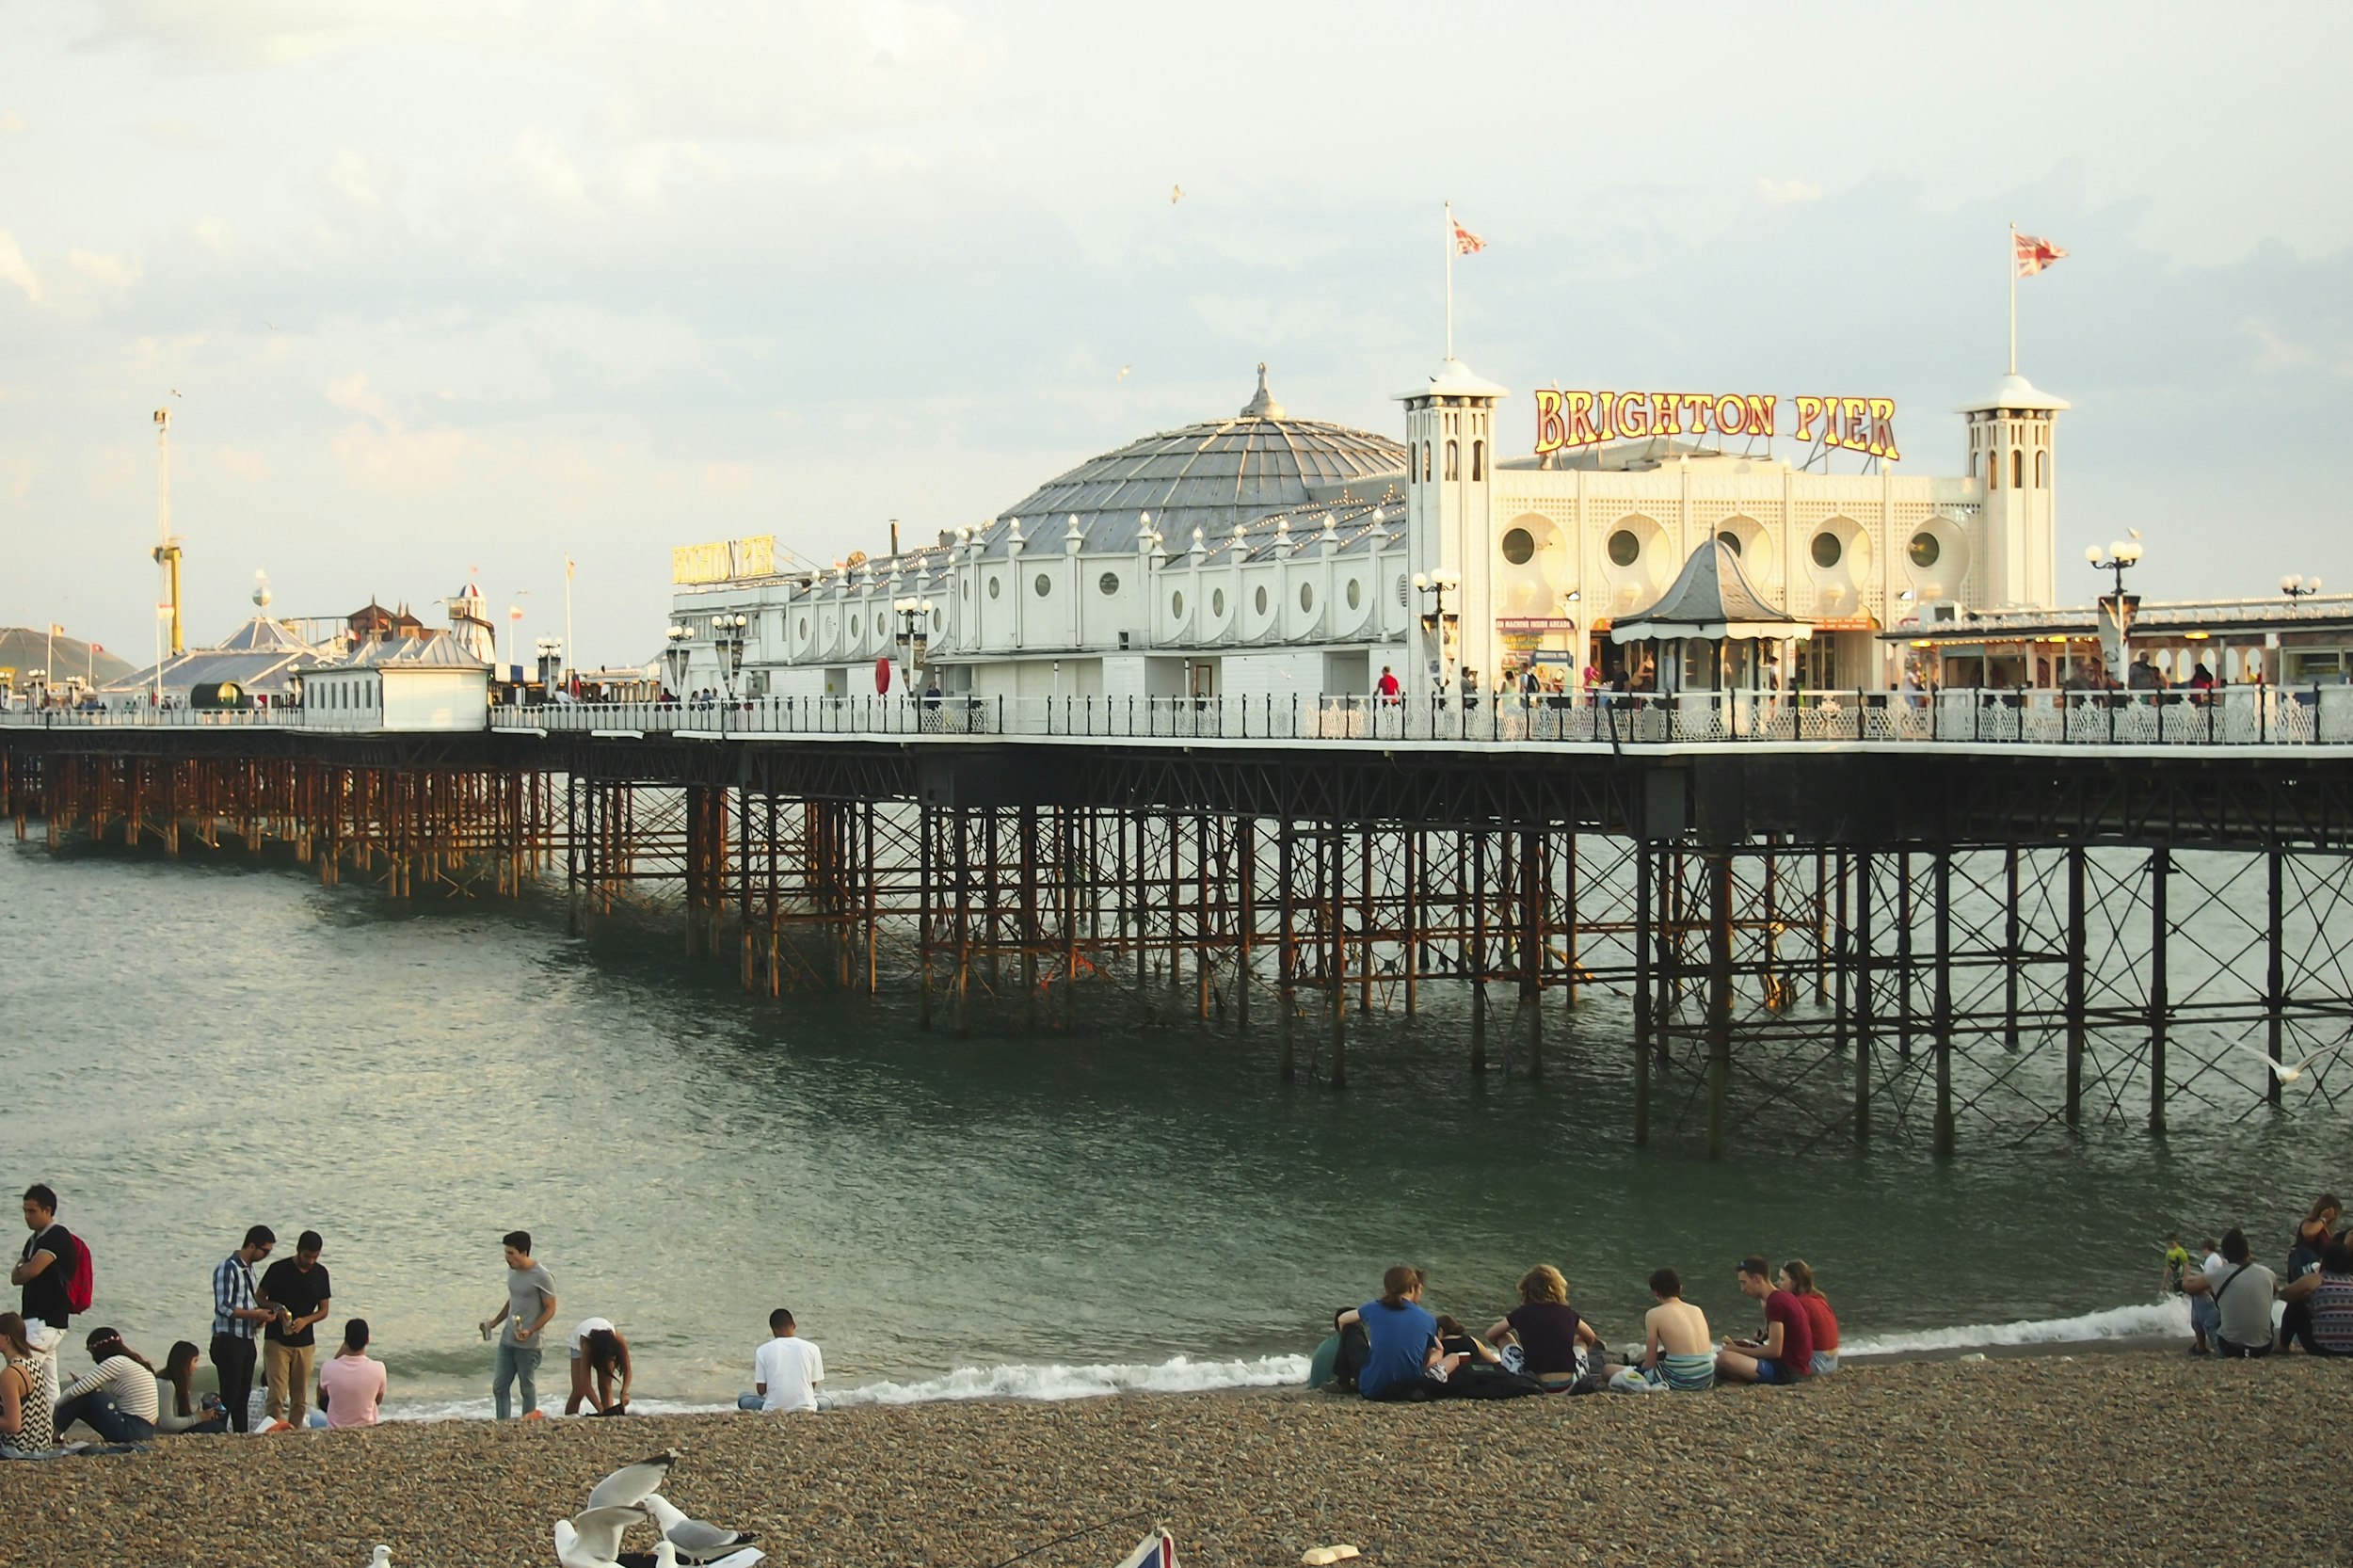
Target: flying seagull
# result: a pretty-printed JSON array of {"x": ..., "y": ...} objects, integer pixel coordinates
[
  {"x": 695, "y": 1541},
  {"x": 592, "y": 1539},
  {"x": 2288, "y": 1072},
  {"x": 631, "y": 1484},
  {"x": 1176, "y": 194},
  {"x": 1122, "y": 376}
]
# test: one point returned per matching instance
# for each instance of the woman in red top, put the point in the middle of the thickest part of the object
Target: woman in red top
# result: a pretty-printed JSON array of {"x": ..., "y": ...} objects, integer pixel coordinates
[{"x": 1798, "y": 1280}]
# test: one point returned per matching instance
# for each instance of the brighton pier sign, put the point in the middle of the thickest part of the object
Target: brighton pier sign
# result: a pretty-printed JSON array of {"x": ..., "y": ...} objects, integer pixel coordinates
[{"x": 1566, "y": 419}]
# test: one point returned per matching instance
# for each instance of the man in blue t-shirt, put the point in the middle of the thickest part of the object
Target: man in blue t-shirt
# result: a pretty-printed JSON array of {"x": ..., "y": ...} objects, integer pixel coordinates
[{"x": 1403, "y": 1334}]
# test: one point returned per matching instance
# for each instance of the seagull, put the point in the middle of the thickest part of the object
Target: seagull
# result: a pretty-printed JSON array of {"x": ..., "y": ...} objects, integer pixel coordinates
[
  {"x": 1176, "y": 194},
  {"x": 380, "y": 1557},
  {"x": 631, "y": 1484},
  {"x": 1122, "y": 376},
  {"x": 2288, "y": 1072},
  {"x": 592, "y": 1539},
  {"x": 175, "y": 392},
  {"x": 695, "y": 1541}
]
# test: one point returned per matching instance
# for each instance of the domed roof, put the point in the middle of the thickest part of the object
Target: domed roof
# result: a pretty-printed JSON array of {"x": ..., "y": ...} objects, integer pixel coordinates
[
  {"x": 2014, "y": 392},
  {"x": 1210, "y": 476}
]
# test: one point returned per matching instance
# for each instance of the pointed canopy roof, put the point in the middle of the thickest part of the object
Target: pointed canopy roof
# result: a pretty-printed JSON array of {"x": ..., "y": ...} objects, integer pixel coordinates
[{"x": 1711, "y": 599}]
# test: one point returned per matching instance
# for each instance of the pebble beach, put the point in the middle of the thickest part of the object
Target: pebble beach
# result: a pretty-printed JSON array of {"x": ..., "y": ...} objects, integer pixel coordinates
[{"x": 2049, "y": 1458}]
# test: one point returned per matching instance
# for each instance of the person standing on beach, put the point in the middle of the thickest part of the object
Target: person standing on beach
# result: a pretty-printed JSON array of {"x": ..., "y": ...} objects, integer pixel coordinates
[
  {"x": 237, "y": 1316},
  {"x": 786, "y": 1370},
  {"x": 1785, "y": 1353},
  {"x": 599, "y": 1354},
  {"x": 299, "y": 1286},
  {"x": 47, "y": 1263},
  {"x": 530, "y": 1306}
]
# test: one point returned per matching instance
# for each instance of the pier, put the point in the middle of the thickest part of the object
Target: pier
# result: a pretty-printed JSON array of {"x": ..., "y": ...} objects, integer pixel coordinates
[{"x": 1824, "y": 918}]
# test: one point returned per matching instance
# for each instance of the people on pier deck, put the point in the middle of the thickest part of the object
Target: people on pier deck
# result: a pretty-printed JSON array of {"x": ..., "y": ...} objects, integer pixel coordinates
[
  {"x": 1784, "y": 1353},
  {"x": 1547, "y": 1329}
]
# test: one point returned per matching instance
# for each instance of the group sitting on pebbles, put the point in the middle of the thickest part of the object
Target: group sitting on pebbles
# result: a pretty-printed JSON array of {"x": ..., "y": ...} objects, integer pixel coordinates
[
  {"x": 1394, "y": 1348},
  {"x": 2231, "y": 1296}
]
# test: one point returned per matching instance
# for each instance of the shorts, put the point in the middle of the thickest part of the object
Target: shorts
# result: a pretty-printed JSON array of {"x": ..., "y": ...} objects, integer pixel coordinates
[
  {"x": 1774, "y": 1372},
  {"x": 1825, "y": 1363}
]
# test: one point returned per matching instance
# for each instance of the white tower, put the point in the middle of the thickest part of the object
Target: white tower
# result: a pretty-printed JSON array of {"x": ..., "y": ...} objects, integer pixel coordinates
[
  {"x": 2014, "y": 463},
  {"x": 1449, "y": 527}
]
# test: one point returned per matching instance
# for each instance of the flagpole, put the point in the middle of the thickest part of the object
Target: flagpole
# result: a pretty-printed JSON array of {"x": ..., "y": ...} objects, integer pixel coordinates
[
  {"x": 2013, "y": 299},
  {"x": 1449, "y": 279}
]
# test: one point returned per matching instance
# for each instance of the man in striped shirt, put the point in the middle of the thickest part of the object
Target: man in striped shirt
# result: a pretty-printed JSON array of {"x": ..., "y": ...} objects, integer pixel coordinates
[{"x": 237, "y": 1318}]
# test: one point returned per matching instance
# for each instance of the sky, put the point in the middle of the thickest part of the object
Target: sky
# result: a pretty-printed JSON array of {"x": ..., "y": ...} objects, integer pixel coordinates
[{"x": 470, "y": 287}]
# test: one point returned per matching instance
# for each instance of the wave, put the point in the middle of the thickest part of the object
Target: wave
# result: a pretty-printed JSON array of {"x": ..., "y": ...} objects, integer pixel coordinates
[{"x": 2148, "y": 1321}]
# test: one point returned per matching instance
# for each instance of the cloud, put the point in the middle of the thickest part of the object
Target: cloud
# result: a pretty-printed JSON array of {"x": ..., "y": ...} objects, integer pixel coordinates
[
  {"x": 2275, "y": 355},
  {"x": 263, "y": 33},
  {"x": 179, "y": 133},
  {"x": 115, "y": 272},
  {"x": 351, "y": 392},
  {"x": 349, "y": 177},
  {"x": 548, "y": 171},
  {"x": 215, "y": 236},
  {"x": 240, "y": 463},
  {"x": 1781, "y": 192},
  {"x": 11, "y": 123},
  {"x": 15, "y": 269}
]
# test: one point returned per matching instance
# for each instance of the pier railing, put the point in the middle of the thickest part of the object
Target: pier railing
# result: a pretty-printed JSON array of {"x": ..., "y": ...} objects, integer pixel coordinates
[{"x": 2229, "y": 716}]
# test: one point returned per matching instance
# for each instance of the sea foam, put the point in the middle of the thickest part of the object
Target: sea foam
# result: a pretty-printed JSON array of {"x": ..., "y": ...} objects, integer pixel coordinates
[{"x": 2148, "y": 1321}]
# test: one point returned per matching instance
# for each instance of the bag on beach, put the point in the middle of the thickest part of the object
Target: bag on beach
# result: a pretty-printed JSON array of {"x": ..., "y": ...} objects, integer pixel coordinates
[{"x": 82, "y": 1286}]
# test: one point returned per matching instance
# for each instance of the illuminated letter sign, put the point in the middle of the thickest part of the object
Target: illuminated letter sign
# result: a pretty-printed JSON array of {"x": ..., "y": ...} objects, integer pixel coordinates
[
  {"x": 724, "y": 561},
  {"x": 1566, "y": 419}
]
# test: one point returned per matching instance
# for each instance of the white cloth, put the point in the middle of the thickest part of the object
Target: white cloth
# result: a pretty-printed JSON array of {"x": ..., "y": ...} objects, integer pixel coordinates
[
  {"x": 579, "y": 1339},
  {"x": 2245, "y": 1310},
  {"x": 790, "y": 1369}
]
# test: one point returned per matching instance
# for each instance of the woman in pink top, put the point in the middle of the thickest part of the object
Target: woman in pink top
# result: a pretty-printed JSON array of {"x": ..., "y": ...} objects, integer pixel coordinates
[{"x": 352, "y": 1386}]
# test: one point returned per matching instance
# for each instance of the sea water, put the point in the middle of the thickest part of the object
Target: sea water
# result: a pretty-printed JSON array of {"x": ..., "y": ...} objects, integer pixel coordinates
[{"x": 189, "y": 1048}]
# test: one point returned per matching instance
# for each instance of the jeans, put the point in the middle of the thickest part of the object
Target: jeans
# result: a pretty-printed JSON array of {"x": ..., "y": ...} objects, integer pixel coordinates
[
  {"x": 102, "y": 1415},
  {"x": 289, "y": 1379},
  {"x": 750, "y": 1401},
  {"x": 515, "y": 1362},
  {"x": 233, "y": 1357}
]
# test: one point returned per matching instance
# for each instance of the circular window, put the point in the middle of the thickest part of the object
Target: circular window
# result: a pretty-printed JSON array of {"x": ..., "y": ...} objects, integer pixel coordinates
[
  {"x": 853, "y": 625},
  {"x": 1261, "y": 601},
  {"x": 1926, "y": 549},
  {"x": 1175, "y": 604},
  {"x": 1044, "y": 585},
  {"x": 996, "y": 586},
  {"x": 1730, "y": 540},
  {"x": 940, "y": 620},
  {"x": 1108, "y": 583},
  {"x": 1518, "y": 545},
  {"x": 1827, "y": 550},
  {"x": 1217, "y": 601},
  {"x": 1356, "y": 593},
  {"x": 1625, "y": 547},
  {"x": 804, "y": 626},
  {"x": 1307, "y": 596}
]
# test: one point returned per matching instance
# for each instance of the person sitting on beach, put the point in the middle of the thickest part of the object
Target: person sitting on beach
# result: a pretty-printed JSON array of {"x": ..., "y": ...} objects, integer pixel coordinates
[
  {"x": 352, "y": 1384},
  {"x": 115, "y": 1397},
  {"x": 178, "y": 1408},
  {"x": 599, "y": 1349},
  {"x": 1798, "y": 1279},
  {"x": 2313, "y": 1235},
  {"x": 1403, "y": 1339},
  {"x": 2326, "y": 1296},
  {"x": 1339, "y": 1358},
  {"x": 1547, "y": 1330},
  {"x": 786, "y": 1370},
  {"x": 1677, "y": 1354},
  {"x": 26, "y": 1424},
  {"x": 1785, "y": 1353},
  {"x": 2241, "y": 1292}
]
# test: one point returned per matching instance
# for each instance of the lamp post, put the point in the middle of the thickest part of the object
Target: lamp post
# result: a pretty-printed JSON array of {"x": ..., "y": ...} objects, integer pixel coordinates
[
  {"x": 675, "y": 656},
  {"x": 914, "y": 617},
  {"x": 2123, "y": 553},
  {"x": 726, "y": 638},
  {"x": 1434, "y": 586},
  {"x": 551, "y": 658},
  {"x": 2299, "y": 587}
]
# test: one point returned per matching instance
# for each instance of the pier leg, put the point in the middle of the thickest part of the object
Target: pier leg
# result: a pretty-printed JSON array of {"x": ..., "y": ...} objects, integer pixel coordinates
[
  {"x": 1285, "y": 953},
  {"x": 924, "y": 860},
  {"x": 1861, "y": 962},
  {"x": 2075, "y": 959},
  {"x": 1643, "y": 982},
  {"x": 2010, "y": 949},
  {"x": 1247, "y": 853},
  {"x": 1944, "y": 1003},
  {"x": 1479, "y": 952},
  {"x": 1718, "y": 998},
  {"x": 2160, "y": 872},
  {"x": 1339, "y": 837},
  {"x": 2275, "y": 973},
  {"x": 1903, "y": 956}
]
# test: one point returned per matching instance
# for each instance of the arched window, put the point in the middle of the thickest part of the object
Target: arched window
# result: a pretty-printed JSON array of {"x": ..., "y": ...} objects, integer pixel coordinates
[
  {"x": 1479, "y": 461},
  {"x": 2041, "y": 471},
  {"x": 1453, "y": 460},
  {"x": 2017, "y": 469},
  {"x": 1992, "y": 470},
  {"x": 1425, "y": 462}
]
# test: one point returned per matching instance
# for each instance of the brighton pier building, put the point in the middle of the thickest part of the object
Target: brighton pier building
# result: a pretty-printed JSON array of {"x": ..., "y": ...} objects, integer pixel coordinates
[{"x": 1263, "y": 553}]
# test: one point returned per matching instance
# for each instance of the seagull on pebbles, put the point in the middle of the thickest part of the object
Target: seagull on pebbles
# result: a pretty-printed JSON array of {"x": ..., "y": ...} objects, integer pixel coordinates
[
  {"x": 697, "y": 1542},
  {"x": 593, "y": 1539},
  {"x": 633, "y": 1485}
]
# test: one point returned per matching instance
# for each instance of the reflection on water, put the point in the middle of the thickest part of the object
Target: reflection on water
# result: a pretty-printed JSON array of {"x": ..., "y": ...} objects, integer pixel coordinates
[{"x": 192, "y": 1049}]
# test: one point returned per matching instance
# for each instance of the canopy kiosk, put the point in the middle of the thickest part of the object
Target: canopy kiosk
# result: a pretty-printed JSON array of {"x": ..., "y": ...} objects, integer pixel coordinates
[{"x": 1710, "y": 630}]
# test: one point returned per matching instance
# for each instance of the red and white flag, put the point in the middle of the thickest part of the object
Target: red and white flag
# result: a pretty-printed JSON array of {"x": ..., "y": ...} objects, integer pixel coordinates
[
  {"x": 1465, "y": 243},
  {"x": 2033, "y": 254}
]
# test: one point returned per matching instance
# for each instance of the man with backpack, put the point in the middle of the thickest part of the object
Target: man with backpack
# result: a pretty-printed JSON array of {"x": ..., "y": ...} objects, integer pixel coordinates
[{"x": 53, "y": 1267}]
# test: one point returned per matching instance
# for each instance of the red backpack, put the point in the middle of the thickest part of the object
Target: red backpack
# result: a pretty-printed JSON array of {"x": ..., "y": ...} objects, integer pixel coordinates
[{"x": 80, "y": 1288}]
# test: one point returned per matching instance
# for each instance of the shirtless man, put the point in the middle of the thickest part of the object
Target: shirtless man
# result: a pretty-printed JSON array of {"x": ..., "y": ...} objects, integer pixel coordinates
[{"x": 1677, "y": 1354}]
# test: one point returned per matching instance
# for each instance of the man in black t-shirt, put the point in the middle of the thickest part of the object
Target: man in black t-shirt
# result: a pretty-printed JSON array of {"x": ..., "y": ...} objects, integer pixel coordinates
[
  {"x": 297, "y": 1287},
  {"x": 48, "y": 1260}
]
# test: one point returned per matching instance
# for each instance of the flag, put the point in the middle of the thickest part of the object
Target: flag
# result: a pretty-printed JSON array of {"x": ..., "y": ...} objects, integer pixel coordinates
[
  {"x": 56, "y": 631},
  {"x": 1465, "y": 243},
  {"x": 569, "y": 569},
  {"x": 98, "y": 648},
  {"x": 2033, "y": 254}
]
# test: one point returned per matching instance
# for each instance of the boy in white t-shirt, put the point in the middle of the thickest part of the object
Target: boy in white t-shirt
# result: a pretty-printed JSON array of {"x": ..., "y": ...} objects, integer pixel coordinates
[{"x": 785, "y": 1371}]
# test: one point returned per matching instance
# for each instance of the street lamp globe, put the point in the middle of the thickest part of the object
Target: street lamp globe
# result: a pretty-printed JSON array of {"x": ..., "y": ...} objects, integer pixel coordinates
[{"x": 2091, "y": 554}]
